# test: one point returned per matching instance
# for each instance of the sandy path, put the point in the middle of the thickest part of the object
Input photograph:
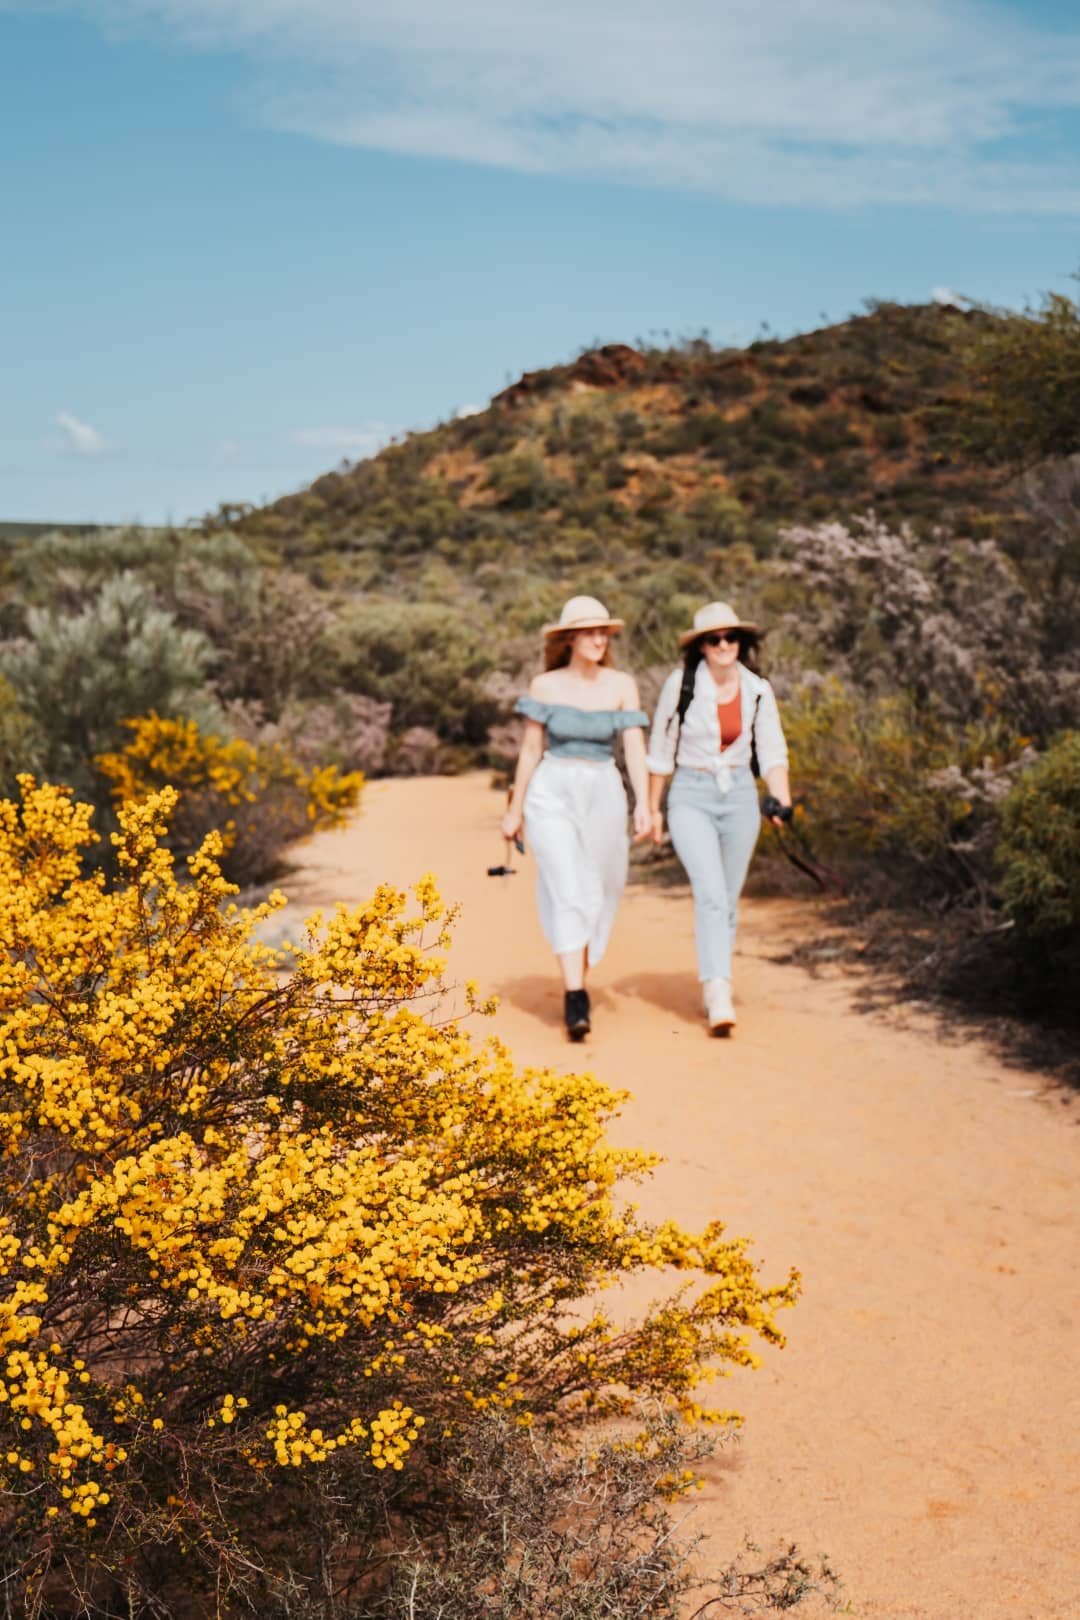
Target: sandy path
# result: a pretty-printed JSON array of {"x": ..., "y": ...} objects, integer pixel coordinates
[{"x": 923, "y": 1424}]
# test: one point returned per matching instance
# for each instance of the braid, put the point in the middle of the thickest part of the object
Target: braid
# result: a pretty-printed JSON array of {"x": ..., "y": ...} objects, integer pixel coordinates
[{"x": 691, "y": 659}]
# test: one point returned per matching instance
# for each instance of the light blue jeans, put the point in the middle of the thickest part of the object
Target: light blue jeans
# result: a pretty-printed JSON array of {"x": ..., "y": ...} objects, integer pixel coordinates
[{"x": 714, "y": 835}]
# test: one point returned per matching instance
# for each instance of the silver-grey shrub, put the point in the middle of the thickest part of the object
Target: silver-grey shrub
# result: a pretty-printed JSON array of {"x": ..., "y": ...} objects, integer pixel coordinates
[
  {"x": 78, "y": 675},
  {"x": 950, "y": 621}
]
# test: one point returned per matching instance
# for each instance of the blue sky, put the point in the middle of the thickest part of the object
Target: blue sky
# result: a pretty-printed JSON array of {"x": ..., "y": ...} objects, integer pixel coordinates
[{"x": 245, "y": 238}]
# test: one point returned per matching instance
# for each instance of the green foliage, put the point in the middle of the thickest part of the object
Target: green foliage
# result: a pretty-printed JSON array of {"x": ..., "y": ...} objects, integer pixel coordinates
[
  {"x": 270, "y": 633},
  {"x": 522, "y": 481},
  {"x": 79, "y": 675},
  {"x": 1023, "y": 403},
  {"x": 902, "y": 795},
  {"x": 20, "y": 742},
  {"x": 515, "y": 486},
  {"x": 429, "y": 662},
  {"x": 1038, "y": 852}
]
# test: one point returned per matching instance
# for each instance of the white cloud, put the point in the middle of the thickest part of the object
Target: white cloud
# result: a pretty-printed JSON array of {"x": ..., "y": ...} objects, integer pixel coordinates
[
  {"x": 468, "y": 410},
  {"x": 935, "y": 102},
  {"x": 946, "y": 295},
  {"x": 354, "y": 442},
  {"x": 80, "y": 437}
]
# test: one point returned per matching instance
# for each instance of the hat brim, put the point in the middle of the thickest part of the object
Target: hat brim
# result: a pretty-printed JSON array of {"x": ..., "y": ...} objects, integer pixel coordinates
[
  {"x": 614, "y": 625},
  {"x": 741, "y": 624}
]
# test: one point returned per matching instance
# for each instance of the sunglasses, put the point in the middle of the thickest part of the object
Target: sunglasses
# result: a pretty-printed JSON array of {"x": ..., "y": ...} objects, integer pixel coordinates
[{"x": 722, "y": 638}]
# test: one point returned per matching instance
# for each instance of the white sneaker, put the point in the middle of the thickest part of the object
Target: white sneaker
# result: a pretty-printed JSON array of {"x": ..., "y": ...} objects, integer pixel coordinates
[{"x": 718, "y": 1008}]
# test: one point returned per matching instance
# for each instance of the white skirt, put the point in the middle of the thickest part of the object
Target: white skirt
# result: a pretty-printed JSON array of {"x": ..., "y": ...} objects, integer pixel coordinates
[{"x": 575, "y": 825}]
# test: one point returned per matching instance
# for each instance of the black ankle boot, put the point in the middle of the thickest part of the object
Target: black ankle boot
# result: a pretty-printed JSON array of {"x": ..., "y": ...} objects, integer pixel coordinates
[{"x": 577, "y": 1014}]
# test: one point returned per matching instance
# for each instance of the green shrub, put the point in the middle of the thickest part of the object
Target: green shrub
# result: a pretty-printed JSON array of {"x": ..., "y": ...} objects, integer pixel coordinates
[
  {"x": 79, "y": 676},
  {"x": 903, "y": 797},
  {"x": 269, "y": 633},
  {"x": 1022, "y": 402},
  {"x": 1038, "y": 852},
  {"x": 428, "y": 661},
  {"x": 522, "y": 481},
  {"x": 20, "y": 741}
]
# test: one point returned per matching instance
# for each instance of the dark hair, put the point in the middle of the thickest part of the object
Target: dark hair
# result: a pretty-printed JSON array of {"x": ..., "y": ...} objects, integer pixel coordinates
[{"x": 749, "y": 648}]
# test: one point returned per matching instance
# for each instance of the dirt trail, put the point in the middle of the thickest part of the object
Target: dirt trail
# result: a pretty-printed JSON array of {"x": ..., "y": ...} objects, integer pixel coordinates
[{"x": 922, "y": 1426}]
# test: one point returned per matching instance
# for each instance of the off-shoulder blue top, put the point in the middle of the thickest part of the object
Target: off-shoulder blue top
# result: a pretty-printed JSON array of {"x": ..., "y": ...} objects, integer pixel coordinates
[{"x": 574, "y": 733}]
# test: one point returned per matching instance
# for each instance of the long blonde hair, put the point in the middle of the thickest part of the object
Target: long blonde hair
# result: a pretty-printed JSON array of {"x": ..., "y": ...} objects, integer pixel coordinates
[{"x": 557, "y": 650}]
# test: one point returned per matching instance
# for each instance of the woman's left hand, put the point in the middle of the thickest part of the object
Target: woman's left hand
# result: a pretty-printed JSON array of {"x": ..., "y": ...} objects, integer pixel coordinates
[{"x": 642, "y": 822}]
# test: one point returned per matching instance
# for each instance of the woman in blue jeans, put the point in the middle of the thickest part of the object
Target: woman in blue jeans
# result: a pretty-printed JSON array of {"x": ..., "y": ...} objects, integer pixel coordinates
[{"x": 716, "y": 722}]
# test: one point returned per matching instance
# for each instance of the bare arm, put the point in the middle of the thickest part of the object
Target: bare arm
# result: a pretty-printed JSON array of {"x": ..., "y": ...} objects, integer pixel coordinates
[
  {"x": 529, "y": 757},
  {"x": 634, "y": 757},
  {"x": 779, "y": 785},
  {"x": 657, "y": 784},
  {"x": 634, "y": 754}
]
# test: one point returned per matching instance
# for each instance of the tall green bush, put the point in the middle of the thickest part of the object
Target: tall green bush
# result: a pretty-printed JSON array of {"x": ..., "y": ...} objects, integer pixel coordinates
[
  {"x": 1038, "y": 854},
  {"x": 426, "y": 660},
  {"x": 20, "y": 741},
  {"x": 78, "y": 676},
  {"x": 1023, "y": 399}
]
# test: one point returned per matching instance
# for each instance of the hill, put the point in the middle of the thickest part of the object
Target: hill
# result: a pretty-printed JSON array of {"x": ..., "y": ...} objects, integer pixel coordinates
[
  {"x": 855, "y": 489},
  {"x": 627, "y": 454}
]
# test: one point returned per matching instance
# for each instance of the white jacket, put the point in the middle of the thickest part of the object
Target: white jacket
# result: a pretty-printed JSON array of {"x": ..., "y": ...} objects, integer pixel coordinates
[{"x": 699, "y": 740}]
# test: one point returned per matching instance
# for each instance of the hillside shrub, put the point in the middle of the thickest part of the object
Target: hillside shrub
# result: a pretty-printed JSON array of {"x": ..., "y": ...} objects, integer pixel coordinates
[
  {"x": 342, "y": 729},
  {"x": 427, "y": 660},
  {"x": 1022, "y": 403},
  {"x": 79, "y": 676},
  {"x": 268, "y": 1245},
  {"x": 269, "y": 632},
  {"x": 20, "y": 742},
  {"x": 1048, "y": 550},
  {"x": 263, "y": 627},
  {"x": 1038, "y": 857},
  {"x": 951, "y": 621},
  {"x": 522, "y": 481},
  {"x": 901, "y": 796},
  {"x": 257, "y": 796}
]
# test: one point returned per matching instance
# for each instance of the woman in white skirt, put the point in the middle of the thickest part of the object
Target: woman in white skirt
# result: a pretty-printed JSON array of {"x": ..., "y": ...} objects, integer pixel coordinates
[
  {"x": 569, "y": 795},
  {"x": 716, "y": 727}
]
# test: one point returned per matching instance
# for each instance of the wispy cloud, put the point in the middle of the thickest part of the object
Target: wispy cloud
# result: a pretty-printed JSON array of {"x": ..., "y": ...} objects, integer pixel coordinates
[
  {"x": 929, "y": 102},
  {"x": 79, "y": 437},
  {"x": 227, "y": 452},
  {"x": 357, "y": 442}
]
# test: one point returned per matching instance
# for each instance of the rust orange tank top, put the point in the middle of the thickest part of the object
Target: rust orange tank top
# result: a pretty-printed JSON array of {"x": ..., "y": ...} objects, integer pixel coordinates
[{"x": 730, "y": 717}]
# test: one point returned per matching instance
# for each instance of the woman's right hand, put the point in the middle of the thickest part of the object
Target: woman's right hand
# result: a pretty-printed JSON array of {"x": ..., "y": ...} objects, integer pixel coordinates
[
  {"x": 656, "y": 830},
  {"x": 511, "y": 824}
]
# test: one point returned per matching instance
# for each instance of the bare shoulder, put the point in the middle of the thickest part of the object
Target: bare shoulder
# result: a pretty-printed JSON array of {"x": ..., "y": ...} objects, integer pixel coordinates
[
  {"x": 545, "y": 686},
  {"x": 624, "y": 690}
]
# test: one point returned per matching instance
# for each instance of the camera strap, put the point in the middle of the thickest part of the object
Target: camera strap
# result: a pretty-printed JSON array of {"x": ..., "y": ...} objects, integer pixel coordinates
[{"x": 802, "y": 856}]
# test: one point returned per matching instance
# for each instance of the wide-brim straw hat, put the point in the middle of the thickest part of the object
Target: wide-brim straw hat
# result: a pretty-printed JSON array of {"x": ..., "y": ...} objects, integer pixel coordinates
[
  {"x": 717, "y": 616},
  {"x": 583, "y": 613}
]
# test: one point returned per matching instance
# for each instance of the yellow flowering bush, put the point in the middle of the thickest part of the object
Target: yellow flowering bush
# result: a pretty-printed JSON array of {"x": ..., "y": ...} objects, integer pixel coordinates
[
  {"x": 257, "y": 795},
  {"x": 269, "y": 1243}
]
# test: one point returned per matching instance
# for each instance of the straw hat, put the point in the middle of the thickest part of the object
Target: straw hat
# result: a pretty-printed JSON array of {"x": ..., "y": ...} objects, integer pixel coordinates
[
  {"x": 583, "y": 613},
  {"x": 716, "y": 616}
]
